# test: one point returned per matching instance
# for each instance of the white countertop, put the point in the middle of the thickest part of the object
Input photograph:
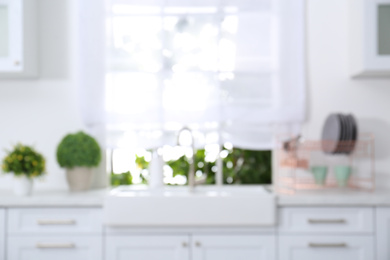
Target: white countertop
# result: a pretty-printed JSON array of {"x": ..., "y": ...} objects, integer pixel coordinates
[
  {"x": 92, "y": 198},
  {"x": 335, "y": 198},
  {"x": 95, "y": 198}
]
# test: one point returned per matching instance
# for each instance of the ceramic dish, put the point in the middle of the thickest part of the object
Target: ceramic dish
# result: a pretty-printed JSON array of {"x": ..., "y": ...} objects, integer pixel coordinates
[
  {"x": 339, "y": 134},
  {"x": 331, "y": 134}
]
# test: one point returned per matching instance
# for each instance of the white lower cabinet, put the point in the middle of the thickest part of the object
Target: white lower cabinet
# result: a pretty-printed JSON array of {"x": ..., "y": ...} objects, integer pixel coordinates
[
  {"x": 383, "y": 233},
  {"x": 147, "y": 247},
  {"x": 55, "y": 247},
  {"x": 323, "y": 233},
  {"x": 303, "y": 233},
  {"x": 326, "y": 247},
  {"x": 54, "y": 233},
  {"x": 233, "y": 247},
  {"x": 194, "y": 247},
  {"x": 2, "y": 234}
]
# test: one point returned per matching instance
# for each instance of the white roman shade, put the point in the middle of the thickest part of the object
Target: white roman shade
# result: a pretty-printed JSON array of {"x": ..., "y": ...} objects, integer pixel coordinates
[{"x": 230, "y": 70}]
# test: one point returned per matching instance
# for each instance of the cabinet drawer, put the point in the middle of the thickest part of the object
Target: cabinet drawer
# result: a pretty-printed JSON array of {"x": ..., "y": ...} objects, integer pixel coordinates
[
  {"x": 55, "y": 247},
  {"x": 54, "y": 221},
  {"x": 326, "y": 220},
  {"x": 326, "y": 247}
]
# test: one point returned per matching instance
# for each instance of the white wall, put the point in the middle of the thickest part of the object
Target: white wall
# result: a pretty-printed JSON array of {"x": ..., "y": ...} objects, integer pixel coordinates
[
  {"x": 332, "y": 90},
  {"x": 41, "y": 111}
]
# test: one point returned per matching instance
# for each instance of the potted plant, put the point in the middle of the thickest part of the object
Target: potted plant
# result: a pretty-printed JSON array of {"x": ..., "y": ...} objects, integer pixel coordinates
[
  {"x": 25, "y": 163},
  {"x": 78, "y": 153}
]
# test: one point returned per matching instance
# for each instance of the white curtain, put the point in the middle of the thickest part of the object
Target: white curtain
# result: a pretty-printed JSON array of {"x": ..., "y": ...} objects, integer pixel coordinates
[{"x": 233, "y": 71}]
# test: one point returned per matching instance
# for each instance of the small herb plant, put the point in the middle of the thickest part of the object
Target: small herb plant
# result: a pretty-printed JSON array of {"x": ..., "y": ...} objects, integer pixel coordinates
[
  {"x": 24, "y": 160},
  {"x": 78, "y": 150}
]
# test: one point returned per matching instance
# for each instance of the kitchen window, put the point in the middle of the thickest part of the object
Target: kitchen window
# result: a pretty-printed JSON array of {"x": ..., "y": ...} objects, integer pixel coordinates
[{"x": 230, "y": 71}]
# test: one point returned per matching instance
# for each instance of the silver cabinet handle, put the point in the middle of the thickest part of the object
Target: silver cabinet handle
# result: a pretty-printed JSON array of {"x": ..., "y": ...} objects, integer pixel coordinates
[
  {"x": 44, "y": 222},
  {"x": 326, "y": 221},
  {"x": 198, "y": 244},
  {"x": 55, "y": 246},
  {"x": 327, "y": 245},
  {"x": 184, "y": 244}
]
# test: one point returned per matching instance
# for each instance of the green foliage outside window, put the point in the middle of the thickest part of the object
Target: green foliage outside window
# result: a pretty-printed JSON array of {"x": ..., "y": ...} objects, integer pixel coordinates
[
  {"x": 247, "y": 167},
  {"x": 124, "y": 178},
  {"x": 239, "y": 167}
]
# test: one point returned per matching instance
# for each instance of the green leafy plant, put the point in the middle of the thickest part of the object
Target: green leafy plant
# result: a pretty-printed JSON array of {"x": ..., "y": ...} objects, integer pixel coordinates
[
  {"x": 24, "y": 160},
  {"x": 79, "y": 149},
  {"x": 141, "y": 162},
  {"x": 124, "y": 178}
]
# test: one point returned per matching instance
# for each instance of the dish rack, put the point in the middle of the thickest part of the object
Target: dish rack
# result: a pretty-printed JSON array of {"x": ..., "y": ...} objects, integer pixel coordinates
[{"x": 292, "y": 171}]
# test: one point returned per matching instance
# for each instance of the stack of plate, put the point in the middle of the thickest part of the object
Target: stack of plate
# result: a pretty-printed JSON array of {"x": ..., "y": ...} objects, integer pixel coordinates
[{"x": 339, "y": 134}]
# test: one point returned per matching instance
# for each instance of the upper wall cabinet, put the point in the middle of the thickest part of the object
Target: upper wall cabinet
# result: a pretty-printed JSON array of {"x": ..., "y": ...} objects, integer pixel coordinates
[
  {"x": 370, "y": 37},
  {"x": 18, "y": 48},
  {"x": 11, "y": 29}
]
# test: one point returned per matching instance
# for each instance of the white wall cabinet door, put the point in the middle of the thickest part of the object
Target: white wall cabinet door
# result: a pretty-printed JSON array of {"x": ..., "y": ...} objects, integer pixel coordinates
[
  {"x": 2, "y": 234},
  {"x": 370, "y": 37},
  {"x": 233, "y": 247},
  {"x": 54, "y": 247},
  {"x": 335, "y": 247},
  {"x": 383, "y": 233},
  {"x": 18, "y": 38},
  {"x": 11, "y": 35},
  {"x": 148, "y": 247}
]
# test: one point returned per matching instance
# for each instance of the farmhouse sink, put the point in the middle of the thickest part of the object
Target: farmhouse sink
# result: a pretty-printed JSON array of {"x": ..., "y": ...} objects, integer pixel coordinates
[{"x": 176, "y": 206}]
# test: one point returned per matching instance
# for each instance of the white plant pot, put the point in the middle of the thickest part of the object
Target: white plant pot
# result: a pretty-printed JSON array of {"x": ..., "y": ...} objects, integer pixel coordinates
[
  {"x": 22, "y": 186},
  {"x": 79, "y": 178}
]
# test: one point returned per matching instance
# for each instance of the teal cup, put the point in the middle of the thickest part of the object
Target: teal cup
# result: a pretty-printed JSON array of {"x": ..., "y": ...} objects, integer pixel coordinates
[
  {"x": 319, "y": 173},
  {"x": 342, "y": 174}
]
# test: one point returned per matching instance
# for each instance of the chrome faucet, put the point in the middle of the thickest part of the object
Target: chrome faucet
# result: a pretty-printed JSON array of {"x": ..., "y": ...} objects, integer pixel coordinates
[{"x": 191, "y": 173}]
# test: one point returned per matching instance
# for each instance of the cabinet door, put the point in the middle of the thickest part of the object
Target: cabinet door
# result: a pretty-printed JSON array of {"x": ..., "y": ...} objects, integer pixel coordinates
[
  {"x": 11, "y": 40},
  {"x": 54, "y": 247},
  {"x": 233, "y": 247},
  {"x": 18, "y": 38},
  {"x": 383, "y": 233},
  {"x": 2, "y": 234},
  {"x": 335, "y": 247},
  {"x": 148, "y": 247},
  {"x": 370, "y": 37}
]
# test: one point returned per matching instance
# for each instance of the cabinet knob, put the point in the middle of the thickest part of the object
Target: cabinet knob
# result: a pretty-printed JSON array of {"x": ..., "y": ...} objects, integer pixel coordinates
[
  {"x": 184, "y": 244},
  {"x": 16, "y": 63},
  {"x": 198, "y": 244}
]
